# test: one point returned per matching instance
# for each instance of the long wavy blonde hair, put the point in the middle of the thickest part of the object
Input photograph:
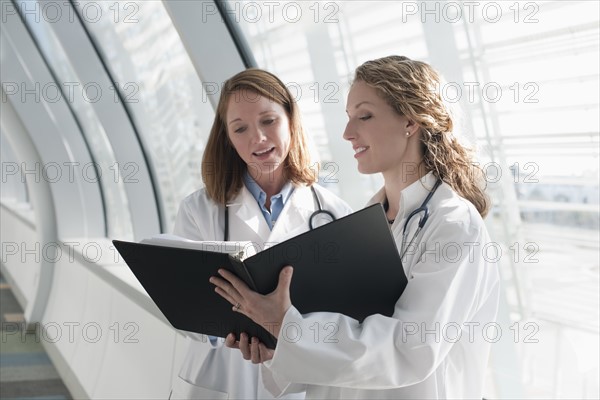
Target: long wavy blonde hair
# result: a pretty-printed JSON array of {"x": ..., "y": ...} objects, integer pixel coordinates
[{"x": 411, "y": 88}]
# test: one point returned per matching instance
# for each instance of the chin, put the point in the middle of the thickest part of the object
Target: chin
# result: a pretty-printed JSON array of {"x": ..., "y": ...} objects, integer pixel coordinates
[
  {"x": 269, "y": 167},
  {"x": 367, "y": 170}
]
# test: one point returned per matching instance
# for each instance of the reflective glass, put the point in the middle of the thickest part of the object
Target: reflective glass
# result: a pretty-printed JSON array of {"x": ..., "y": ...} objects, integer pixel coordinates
[
  {"x": 81, "y": 97},
  {"x": 161, "y": 90},
  {"x": 13, "y": 189}
]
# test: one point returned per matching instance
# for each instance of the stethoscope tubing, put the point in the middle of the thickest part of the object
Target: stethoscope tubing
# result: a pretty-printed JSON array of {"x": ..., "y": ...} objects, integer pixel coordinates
[{"x": 422, "y": 209}]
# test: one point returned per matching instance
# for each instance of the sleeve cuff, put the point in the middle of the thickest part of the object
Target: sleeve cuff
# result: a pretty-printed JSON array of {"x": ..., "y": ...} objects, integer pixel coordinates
[
  {"x": 278, "y": 386},
  {"x": 291, "y": 316}
]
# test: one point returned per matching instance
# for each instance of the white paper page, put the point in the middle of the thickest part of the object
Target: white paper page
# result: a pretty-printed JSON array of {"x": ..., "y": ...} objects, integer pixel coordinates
[{"x": 245, "y": 248}]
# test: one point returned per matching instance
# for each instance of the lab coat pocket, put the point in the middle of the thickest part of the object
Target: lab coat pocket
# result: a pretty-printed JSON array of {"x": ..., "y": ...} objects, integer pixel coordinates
[{"x": 182, "y": 389}]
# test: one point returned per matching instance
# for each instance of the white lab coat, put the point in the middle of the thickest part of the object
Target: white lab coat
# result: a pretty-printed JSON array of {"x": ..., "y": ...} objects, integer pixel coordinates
[
  {"x": 214, "y": 372},
  {"x": 416, "y": 353}
]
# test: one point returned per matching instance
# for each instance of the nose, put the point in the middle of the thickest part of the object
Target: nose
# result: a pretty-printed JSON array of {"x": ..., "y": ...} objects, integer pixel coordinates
[
  {"x": 258, "y": 135},
  {"x": 349, "y": 133}
]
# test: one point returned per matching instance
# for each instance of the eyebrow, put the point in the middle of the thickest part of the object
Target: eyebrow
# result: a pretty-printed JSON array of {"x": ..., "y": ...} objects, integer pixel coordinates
[{"x": 360, "y": 104}]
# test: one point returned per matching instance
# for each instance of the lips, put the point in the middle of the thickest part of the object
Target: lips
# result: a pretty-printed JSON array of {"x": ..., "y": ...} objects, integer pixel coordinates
[{"x": 263, "y": 152}]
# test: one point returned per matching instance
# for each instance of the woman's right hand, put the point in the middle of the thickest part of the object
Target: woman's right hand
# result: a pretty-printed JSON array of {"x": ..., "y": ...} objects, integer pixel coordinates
[{"x": 252, "y": 350}]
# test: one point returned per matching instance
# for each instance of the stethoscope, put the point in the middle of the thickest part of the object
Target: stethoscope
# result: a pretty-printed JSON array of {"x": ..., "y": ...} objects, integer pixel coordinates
[
  {"x": 423, "y": 219},
  {"x": 311, "y": 221}
]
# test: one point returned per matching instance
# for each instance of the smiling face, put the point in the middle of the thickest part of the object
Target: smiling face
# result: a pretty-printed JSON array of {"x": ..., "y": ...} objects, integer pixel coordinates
[
  {"x": 378, "y": 134},
  {"x": 259, "y": 130}
]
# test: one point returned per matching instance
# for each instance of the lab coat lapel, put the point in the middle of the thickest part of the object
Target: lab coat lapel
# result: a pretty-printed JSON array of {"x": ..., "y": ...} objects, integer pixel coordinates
[
  {"x": 410, "y": 198},
  {"x": 293, "y": 219},
  {"x": 246, "y": 221}
]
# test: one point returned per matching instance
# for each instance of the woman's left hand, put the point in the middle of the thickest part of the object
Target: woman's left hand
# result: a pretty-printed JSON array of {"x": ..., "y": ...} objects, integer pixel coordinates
[
  {"x": 266, "y": 310},
  {"x": 252, "y": 350}
]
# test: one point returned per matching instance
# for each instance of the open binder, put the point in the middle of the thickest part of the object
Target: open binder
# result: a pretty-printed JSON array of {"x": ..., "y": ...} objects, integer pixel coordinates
[{"x": 349, "y": 266}]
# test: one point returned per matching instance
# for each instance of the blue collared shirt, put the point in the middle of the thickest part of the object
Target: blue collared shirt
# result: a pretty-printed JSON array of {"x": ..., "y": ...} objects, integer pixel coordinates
[{"x": 277, "y": 201}]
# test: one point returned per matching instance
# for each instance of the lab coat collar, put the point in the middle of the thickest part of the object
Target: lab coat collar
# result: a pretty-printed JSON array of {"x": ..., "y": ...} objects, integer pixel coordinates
[
  {"x": 290, "y": 224},
  {"x": 292, "y": 221},
  {"x": 411, "y": 197},
  {"x": 246, "y": 209}
]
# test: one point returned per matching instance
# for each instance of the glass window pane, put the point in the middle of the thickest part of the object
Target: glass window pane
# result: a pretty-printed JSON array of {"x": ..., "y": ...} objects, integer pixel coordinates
[
  {"x": 14, "y": 187},
  {"x": 118, "y": 218},
  {"x": 170, "y": 110}
]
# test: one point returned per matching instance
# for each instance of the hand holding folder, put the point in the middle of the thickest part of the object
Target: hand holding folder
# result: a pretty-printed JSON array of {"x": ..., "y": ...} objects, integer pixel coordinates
[{"x": 349, "y": 266}]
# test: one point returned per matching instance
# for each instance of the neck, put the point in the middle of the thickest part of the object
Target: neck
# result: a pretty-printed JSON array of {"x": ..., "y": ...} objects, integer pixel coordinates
[
  {"x": 398, "y": 180},
  {"x": 271, "y": 183}
]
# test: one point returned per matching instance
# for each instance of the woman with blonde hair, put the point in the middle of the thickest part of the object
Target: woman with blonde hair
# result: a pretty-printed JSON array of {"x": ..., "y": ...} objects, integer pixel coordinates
[
  {"x": 259, "y": 187},
  {"x": 434, "y": 346}
]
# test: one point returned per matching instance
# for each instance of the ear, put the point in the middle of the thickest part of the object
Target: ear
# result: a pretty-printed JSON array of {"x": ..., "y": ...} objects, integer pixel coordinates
[{"x": 410, "y": 128}]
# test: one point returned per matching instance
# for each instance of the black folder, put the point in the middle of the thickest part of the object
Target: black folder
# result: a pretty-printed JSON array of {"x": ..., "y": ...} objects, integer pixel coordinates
[{"x": 349, "y": 266}]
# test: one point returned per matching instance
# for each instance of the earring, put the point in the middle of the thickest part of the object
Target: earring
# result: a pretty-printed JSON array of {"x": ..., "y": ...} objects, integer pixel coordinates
[{"x": 407, "y": 134}]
